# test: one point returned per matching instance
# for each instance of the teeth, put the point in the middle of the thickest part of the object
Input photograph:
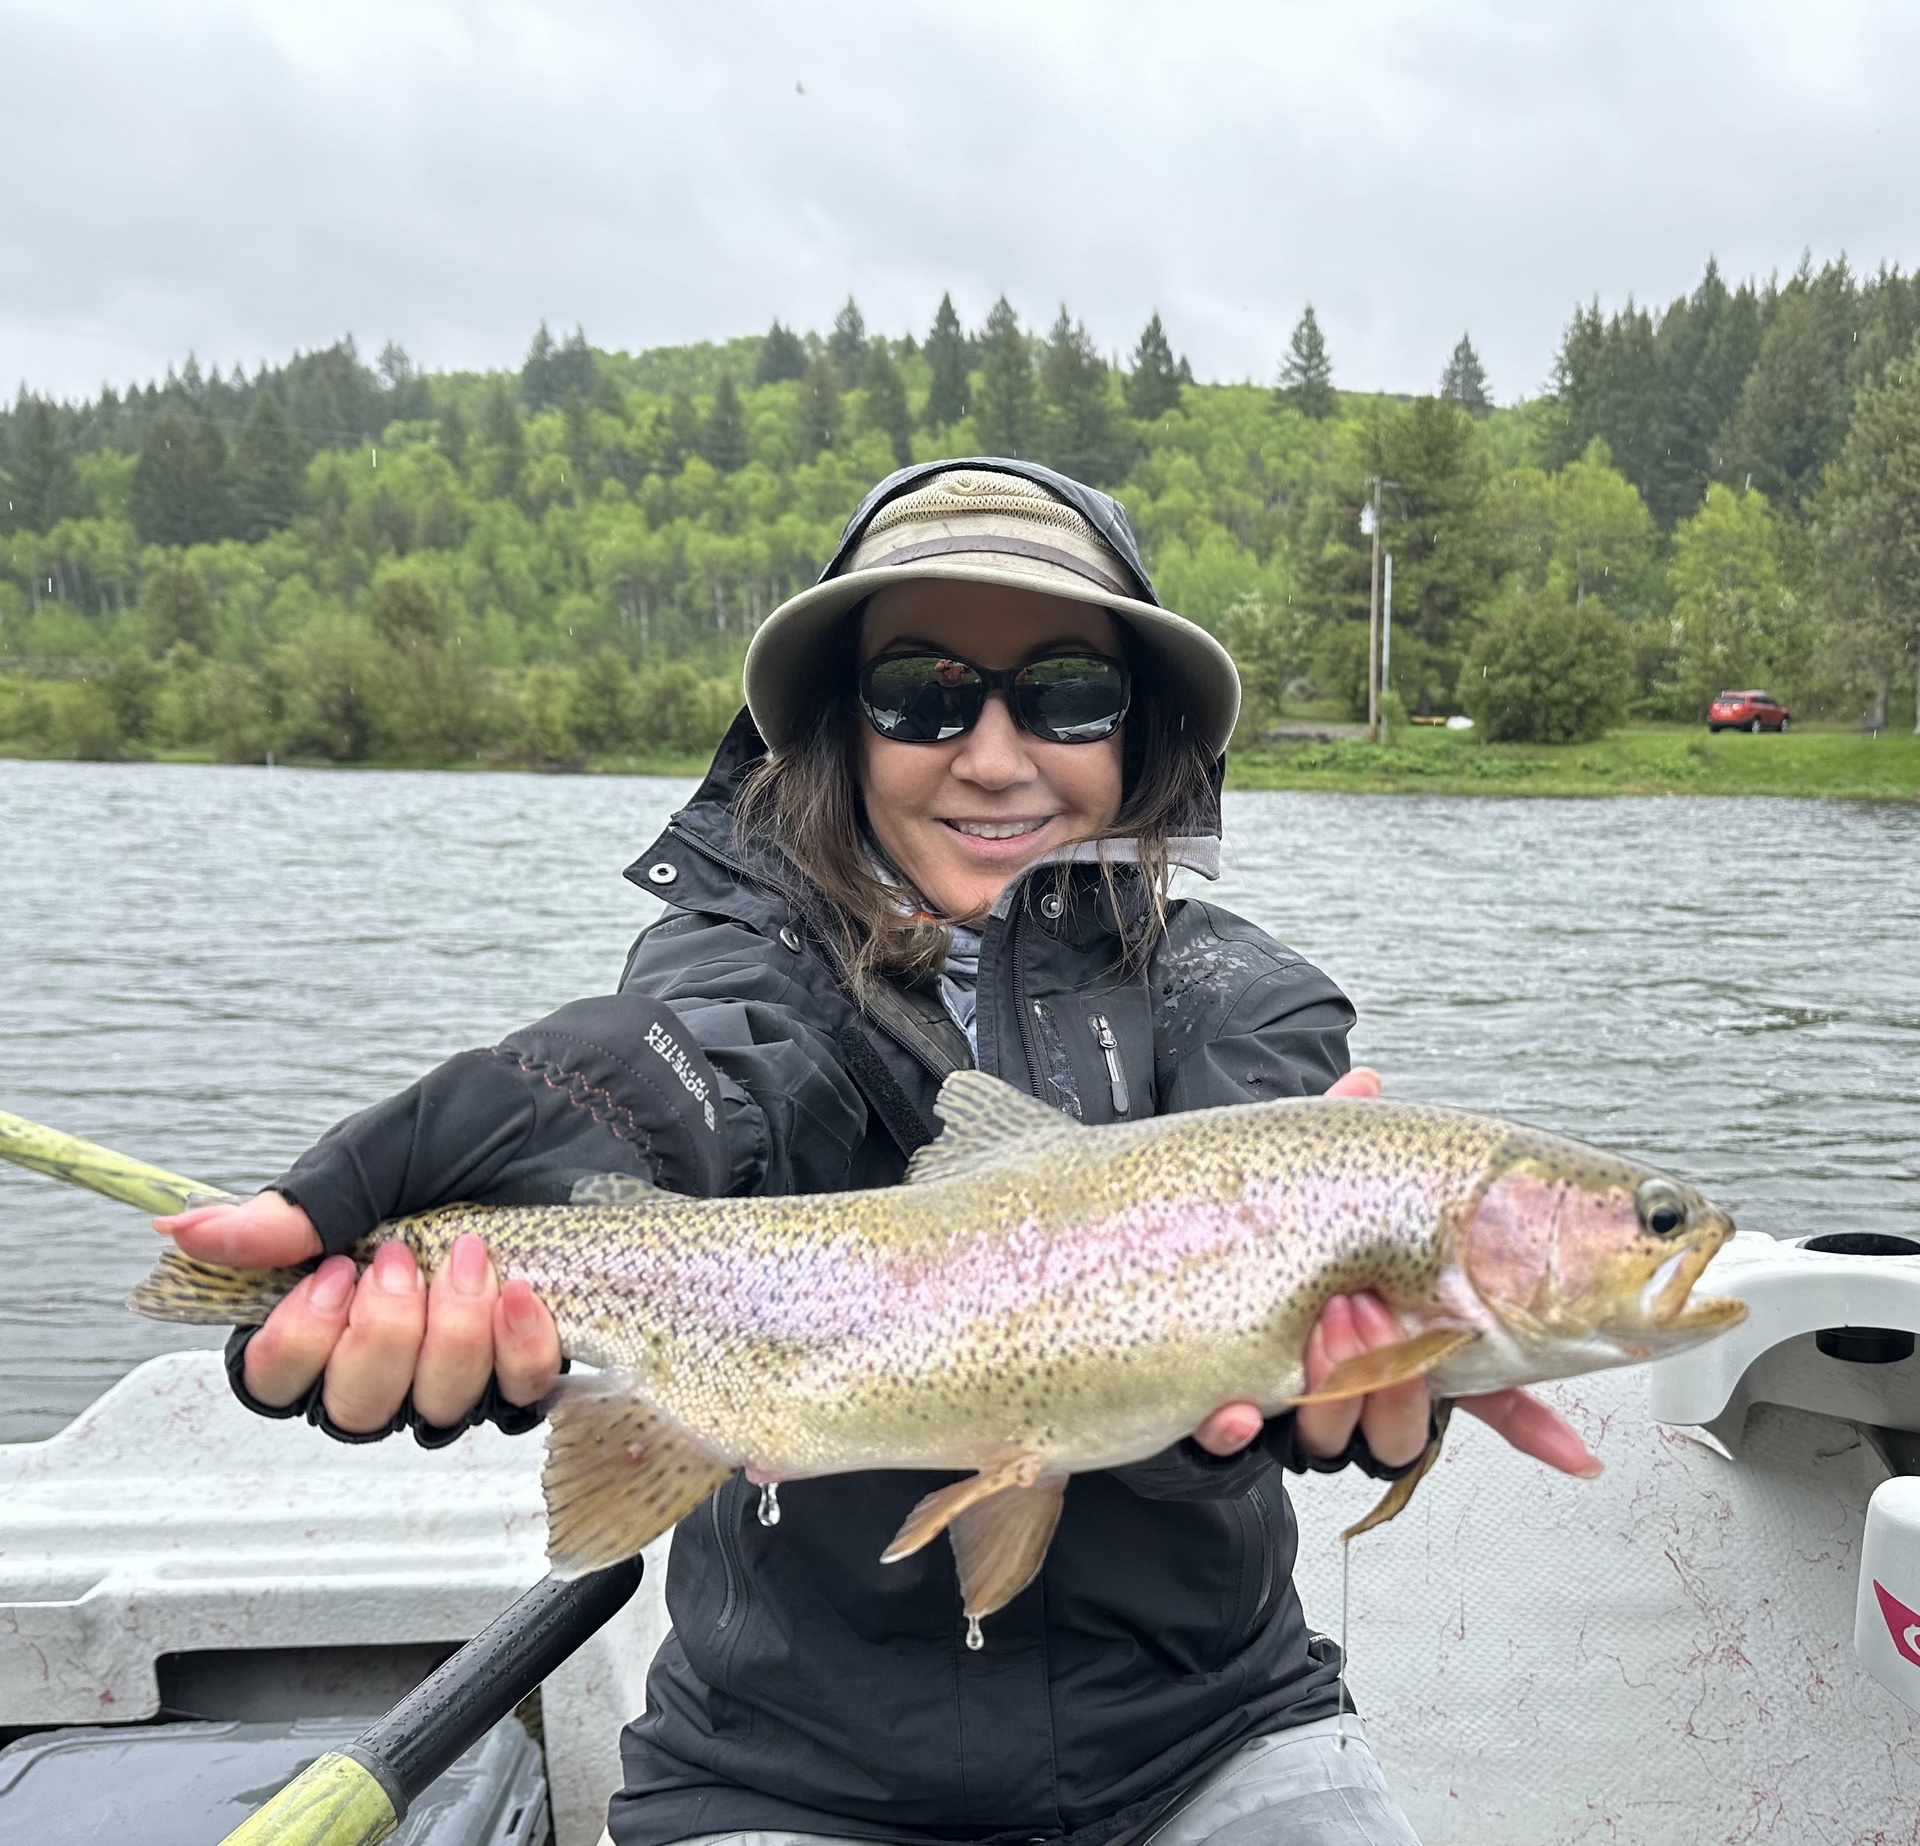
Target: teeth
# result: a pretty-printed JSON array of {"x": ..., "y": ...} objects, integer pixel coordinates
[{"x": 996, "y": 829}]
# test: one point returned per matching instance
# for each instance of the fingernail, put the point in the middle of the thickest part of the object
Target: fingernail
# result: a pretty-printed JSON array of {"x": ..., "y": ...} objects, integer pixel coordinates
[
  {"x": 517, "y": 1299},
  {"x": 468, "y": 1268},
  {"x": 1593, "y": 1468},
  {"x": 332, "y": 1284},
  {"x": 394, "y": 1271}
]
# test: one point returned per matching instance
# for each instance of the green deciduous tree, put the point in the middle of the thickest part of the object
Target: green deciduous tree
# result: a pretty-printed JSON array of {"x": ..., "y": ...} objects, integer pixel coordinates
[
  {"x": 1732, "y": 616},
  {"x": 405, "y": 613},
  {"x": 946, "y": 353},
  {"x": 1153, "y": 386},
  {"x": 782, "y": 356},
  {"x": 1306, "y": 374},
  {"x": 267, "y": 472},
  {"x": 1006, "y": 413},
  {"x": 1544, "y": 672},
  {"x": 178, "y": 612},
  {"x": 1464, "y": 382},
  {"x": 885, "y": 402}
]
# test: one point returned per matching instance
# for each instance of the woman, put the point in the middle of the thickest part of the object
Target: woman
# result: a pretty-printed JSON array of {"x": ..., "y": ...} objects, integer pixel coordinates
[{"x": 975, "y": 751}]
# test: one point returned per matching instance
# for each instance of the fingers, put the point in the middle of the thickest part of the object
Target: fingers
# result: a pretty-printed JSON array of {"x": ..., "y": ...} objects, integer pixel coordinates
[
  {"x": 1362, "y": 1080},
  {"x": 372, "y": 1366},
  {"x": 526, "y": 1345},
  {"x": 1396, "y": 1422},
  {"x": 1230, "y": 1429},
  {"x": 456, "y": 1357},
  {"x": 265, "y": 1232},
  {"x": 1326, "y": 1429},
  {"x": 1536, "y": 1429},
  {"x": 292, "y": 1349}
]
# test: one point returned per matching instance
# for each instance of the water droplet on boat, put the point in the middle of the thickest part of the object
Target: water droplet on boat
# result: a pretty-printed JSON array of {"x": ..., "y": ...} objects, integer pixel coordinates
[
  {"x": 975, "y": 1639},
  {"x": 770, "y": 1503}
]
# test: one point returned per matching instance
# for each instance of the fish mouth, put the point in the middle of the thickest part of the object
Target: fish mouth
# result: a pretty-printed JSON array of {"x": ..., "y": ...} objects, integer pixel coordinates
[{"x": 1663, "y": 1301}]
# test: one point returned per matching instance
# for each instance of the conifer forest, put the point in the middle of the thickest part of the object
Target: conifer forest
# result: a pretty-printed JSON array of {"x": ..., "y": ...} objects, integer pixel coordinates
[{"x": 341, "y": 560}]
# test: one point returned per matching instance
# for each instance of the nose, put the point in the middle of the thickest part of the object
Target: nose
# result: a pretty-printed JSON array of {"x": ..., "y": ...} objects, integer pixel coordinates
[{"x": 994, "y": 753}]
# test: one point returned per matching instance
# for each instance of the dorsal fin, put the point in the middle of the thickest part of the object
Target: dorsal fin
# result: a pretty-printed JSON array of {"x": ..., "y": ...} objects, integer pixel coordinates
[{"x": 984, "y": 1116}]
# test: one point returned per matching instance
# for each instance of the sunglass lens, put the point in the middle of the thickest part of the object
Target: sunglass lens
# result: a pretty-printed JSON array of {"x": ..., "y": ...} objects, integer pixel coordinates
[
  {"x": 1071, "y": 698},
  {"x": 922, "y": 698}
]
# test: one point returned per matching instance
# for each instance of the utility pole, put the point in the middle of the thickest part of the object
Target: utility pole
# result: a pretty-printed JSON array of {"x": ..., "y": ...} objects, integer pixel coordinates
[
  {"x": 1373, "y": 623},
  {"x": 1386, "y": 642}
]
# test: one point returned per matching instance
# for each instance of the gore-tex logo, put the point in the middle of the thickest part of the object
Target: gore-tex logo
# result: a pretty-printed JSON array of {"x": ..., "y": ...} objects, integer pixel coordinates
[{"x": 1902, "y": 1623}]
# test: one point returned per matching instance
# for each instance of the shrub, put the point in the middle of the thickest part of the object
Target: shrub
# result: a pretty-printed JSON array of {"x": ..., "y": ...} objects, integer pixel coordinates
[{"x": 1545, "y": 672}]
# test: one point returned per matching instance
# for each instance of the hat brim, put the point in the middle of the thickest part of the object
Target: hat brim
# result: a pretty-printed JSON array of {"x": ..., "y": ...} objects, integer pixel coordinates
[{"x": 783, "y": 657}]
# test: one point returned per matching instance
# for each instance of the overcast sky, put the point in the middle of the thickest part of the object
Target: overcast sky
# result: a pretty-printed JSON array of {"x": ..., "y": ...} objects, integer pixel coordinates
[{"x": 242, "y": 177}]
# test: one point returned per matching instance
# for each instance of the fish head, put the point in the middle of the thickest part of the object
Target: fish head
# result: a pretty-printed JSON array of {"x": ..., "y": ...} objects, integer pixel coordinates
[{"x": 1569, "y": 1246}]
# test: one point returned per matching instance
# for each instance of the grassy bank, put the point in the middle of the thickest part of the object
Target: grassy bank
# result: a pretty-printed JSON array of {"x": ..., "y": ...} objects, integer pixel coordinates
[{"x": 1646, "y": 760}]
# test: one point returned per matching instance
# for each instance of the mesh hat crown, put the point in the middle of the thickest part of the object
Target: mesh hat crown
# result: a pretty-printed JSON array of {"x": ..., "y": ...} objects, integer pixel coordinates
[{"x": 980, "y": 523}]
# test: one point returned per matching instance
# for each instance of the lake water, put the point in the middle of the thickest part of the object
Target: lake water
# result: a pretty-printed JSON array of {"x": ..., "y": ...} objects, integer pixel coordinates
[{"x": 206, "y": 967}]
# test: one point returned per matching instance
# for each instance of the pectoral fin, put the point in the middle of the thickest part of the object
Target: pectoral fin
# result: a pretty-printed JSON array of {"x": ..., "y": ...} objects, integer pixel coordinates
[
  {"x": 1000, "y": 1542},
  {"x": 618, "y": 1474},
  {"x": 1394, "y": 1500},
  {"x": 1413, "y": 1357},
  {"x": 939, "y": 1510}
]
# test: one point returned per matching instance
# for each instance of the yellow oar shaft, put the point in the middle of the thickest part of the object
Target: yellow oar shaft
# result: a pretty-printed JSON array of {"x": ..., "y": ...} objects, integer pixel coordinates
[{"x": 100, "y": 1169}]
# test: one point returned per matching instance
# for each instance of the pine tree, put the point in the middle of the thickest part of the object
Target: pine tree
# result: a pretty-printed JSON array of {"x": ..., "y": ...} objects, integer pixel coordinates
[
  {"x": 179, "y": 494},
  {"x": 505, "y": 436},
  {"x": 267, "y": 473},
  {"x": 1153, "y": 386},
  {"x": 782, "y": 356},
  {"x": 947, "y": 360},
  {"x": 847, "y": 343},
  {"x": 885, "y": 408},
  {"x": 723, "y": 441},
  {"x": 682, "y": 433},
  {"x": 1306, "y": 375},
  {"x": 451, "y": 437},
  {"x": 1079, "y": 416},
  {"x": 536, "y": 372},
  {"x": 45, "y": 489},
  {"x": 574, "y": 373},
  {"x": 1464, "y": 382},
  {"x": 817, "y": 423},
  {"x": 1005, "y": 413}
]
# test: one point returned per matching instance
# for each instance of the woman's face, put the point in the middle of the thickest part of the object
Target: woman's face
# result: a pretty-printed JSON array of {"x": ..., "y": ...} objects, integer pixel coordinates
[{"x": 962, "y": 817}]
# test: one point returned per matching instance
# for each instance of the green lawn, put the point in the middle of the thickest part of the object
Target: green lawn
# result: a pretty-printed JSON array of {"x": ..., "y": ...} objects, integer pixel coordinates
[{"x": 1646, "y": 760}]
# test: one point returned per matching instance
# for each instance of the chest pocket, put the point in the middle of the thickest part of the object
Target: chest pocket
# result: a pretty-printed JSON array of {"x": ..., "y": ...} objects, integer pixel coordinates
[{"x": 1093, "y": 1053}]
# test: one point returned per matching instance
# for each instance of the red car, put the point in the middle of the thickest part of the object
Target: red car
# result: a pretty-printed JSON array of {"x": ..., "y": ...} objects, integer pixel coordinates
[{"x": 1747, "y": 711}]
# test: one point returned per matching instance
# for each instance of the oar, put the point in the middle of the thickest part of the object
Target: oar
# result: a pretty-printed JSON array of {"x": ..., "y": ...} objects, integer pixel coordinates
[{"x": 358, "y": 1795}]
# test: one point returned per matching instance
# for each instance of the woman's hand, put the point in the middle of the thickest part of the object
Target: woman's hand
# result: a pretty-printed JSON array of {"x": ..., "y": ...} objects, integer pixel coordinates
[
  {"x": 1395, "y": 1421},
  {"x": 387, "y": 1333}
]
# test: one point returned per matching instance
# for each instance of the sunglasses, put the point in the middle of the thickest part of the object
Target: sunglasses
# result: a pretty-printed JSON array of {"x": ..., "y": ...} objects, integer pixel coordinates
[{"x": 928, "y": 698}]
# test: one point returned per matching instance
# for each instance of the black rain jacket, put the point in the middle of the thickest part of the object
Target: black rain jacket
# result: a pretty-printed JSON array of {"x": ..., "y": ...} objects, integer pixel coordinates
[{"x": 805, "y": 1686}]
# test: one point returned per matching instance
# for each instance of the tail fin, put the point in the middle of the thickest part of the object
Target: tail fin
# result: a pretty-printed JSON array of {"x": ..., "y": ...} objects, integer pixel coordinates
[{"x": 208, "y": 1295}]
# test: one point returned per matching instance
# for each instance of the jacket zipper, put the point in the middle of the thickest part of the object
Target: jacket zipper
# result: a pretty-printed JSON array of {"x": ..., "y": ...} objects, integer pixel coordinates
[
  {"x": 1265, "y": 1519},
  {"x": 1027, "y": 1045},
  {"x": 1110, "y": 1045},
  {"x": 732, "y": 1602}
]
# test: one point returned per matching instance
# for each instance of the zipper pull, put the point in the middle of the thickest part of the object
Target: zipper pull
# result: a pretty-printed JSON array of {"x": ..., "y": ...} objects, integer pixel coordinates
[{"x": 1116, "y": 1077}]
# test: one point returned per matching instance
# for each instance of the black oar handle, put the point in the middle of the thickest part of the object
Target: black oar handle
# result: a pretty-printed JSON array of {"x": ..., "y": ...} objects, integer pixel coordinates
[{"x": 444, "y": 1716}]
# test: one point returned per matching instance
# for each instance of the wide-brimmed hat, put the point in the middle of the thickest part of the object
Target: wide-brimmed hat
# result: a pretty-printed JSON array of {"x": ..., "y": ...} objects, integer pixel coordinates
[{"x": 989, "y": 521}]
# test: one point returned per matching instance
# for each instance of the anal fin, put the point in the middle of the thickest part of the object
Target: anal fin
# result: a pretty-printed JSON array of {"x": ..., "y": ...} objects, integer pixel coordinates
[
  {"x": 1382, "y": 1366},
  {"x": 940, "y": 1509},
  {"x": 1394, "y": 1500},
  {"x": 618, "y": 1473},
  {"x": 999, "y": 1543}
]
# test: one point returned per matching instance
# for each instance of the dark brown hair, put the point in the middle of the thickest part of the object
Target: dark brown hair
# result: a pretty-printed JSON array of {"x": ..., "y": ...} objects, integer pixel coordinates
[{"x": 801, "y": 808}]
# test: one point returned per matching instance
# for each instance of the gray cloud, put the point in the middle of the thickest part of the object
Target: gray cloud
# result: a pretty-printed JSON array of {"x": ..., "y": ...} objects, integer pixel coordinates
[{"x": 239, "y": 179}]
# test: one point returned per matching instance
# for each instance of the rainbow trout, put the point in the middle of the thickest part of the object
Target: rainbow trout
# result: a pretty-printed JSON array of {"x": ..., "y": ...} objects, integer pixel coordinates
[{"x": 1041, "y": 1298}]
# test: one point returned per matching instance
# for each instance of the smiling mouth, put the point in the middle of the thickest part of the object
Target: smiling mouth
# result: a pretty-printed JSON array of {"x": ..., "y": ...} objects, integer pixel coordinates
[{"x": 997, "y": 829}]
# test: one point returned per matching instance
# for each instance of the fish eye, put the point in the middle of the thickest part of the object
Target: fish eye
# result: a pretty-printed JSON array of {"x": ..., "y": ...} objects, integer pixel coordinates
[{"x": 1663, "y": 1209}]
